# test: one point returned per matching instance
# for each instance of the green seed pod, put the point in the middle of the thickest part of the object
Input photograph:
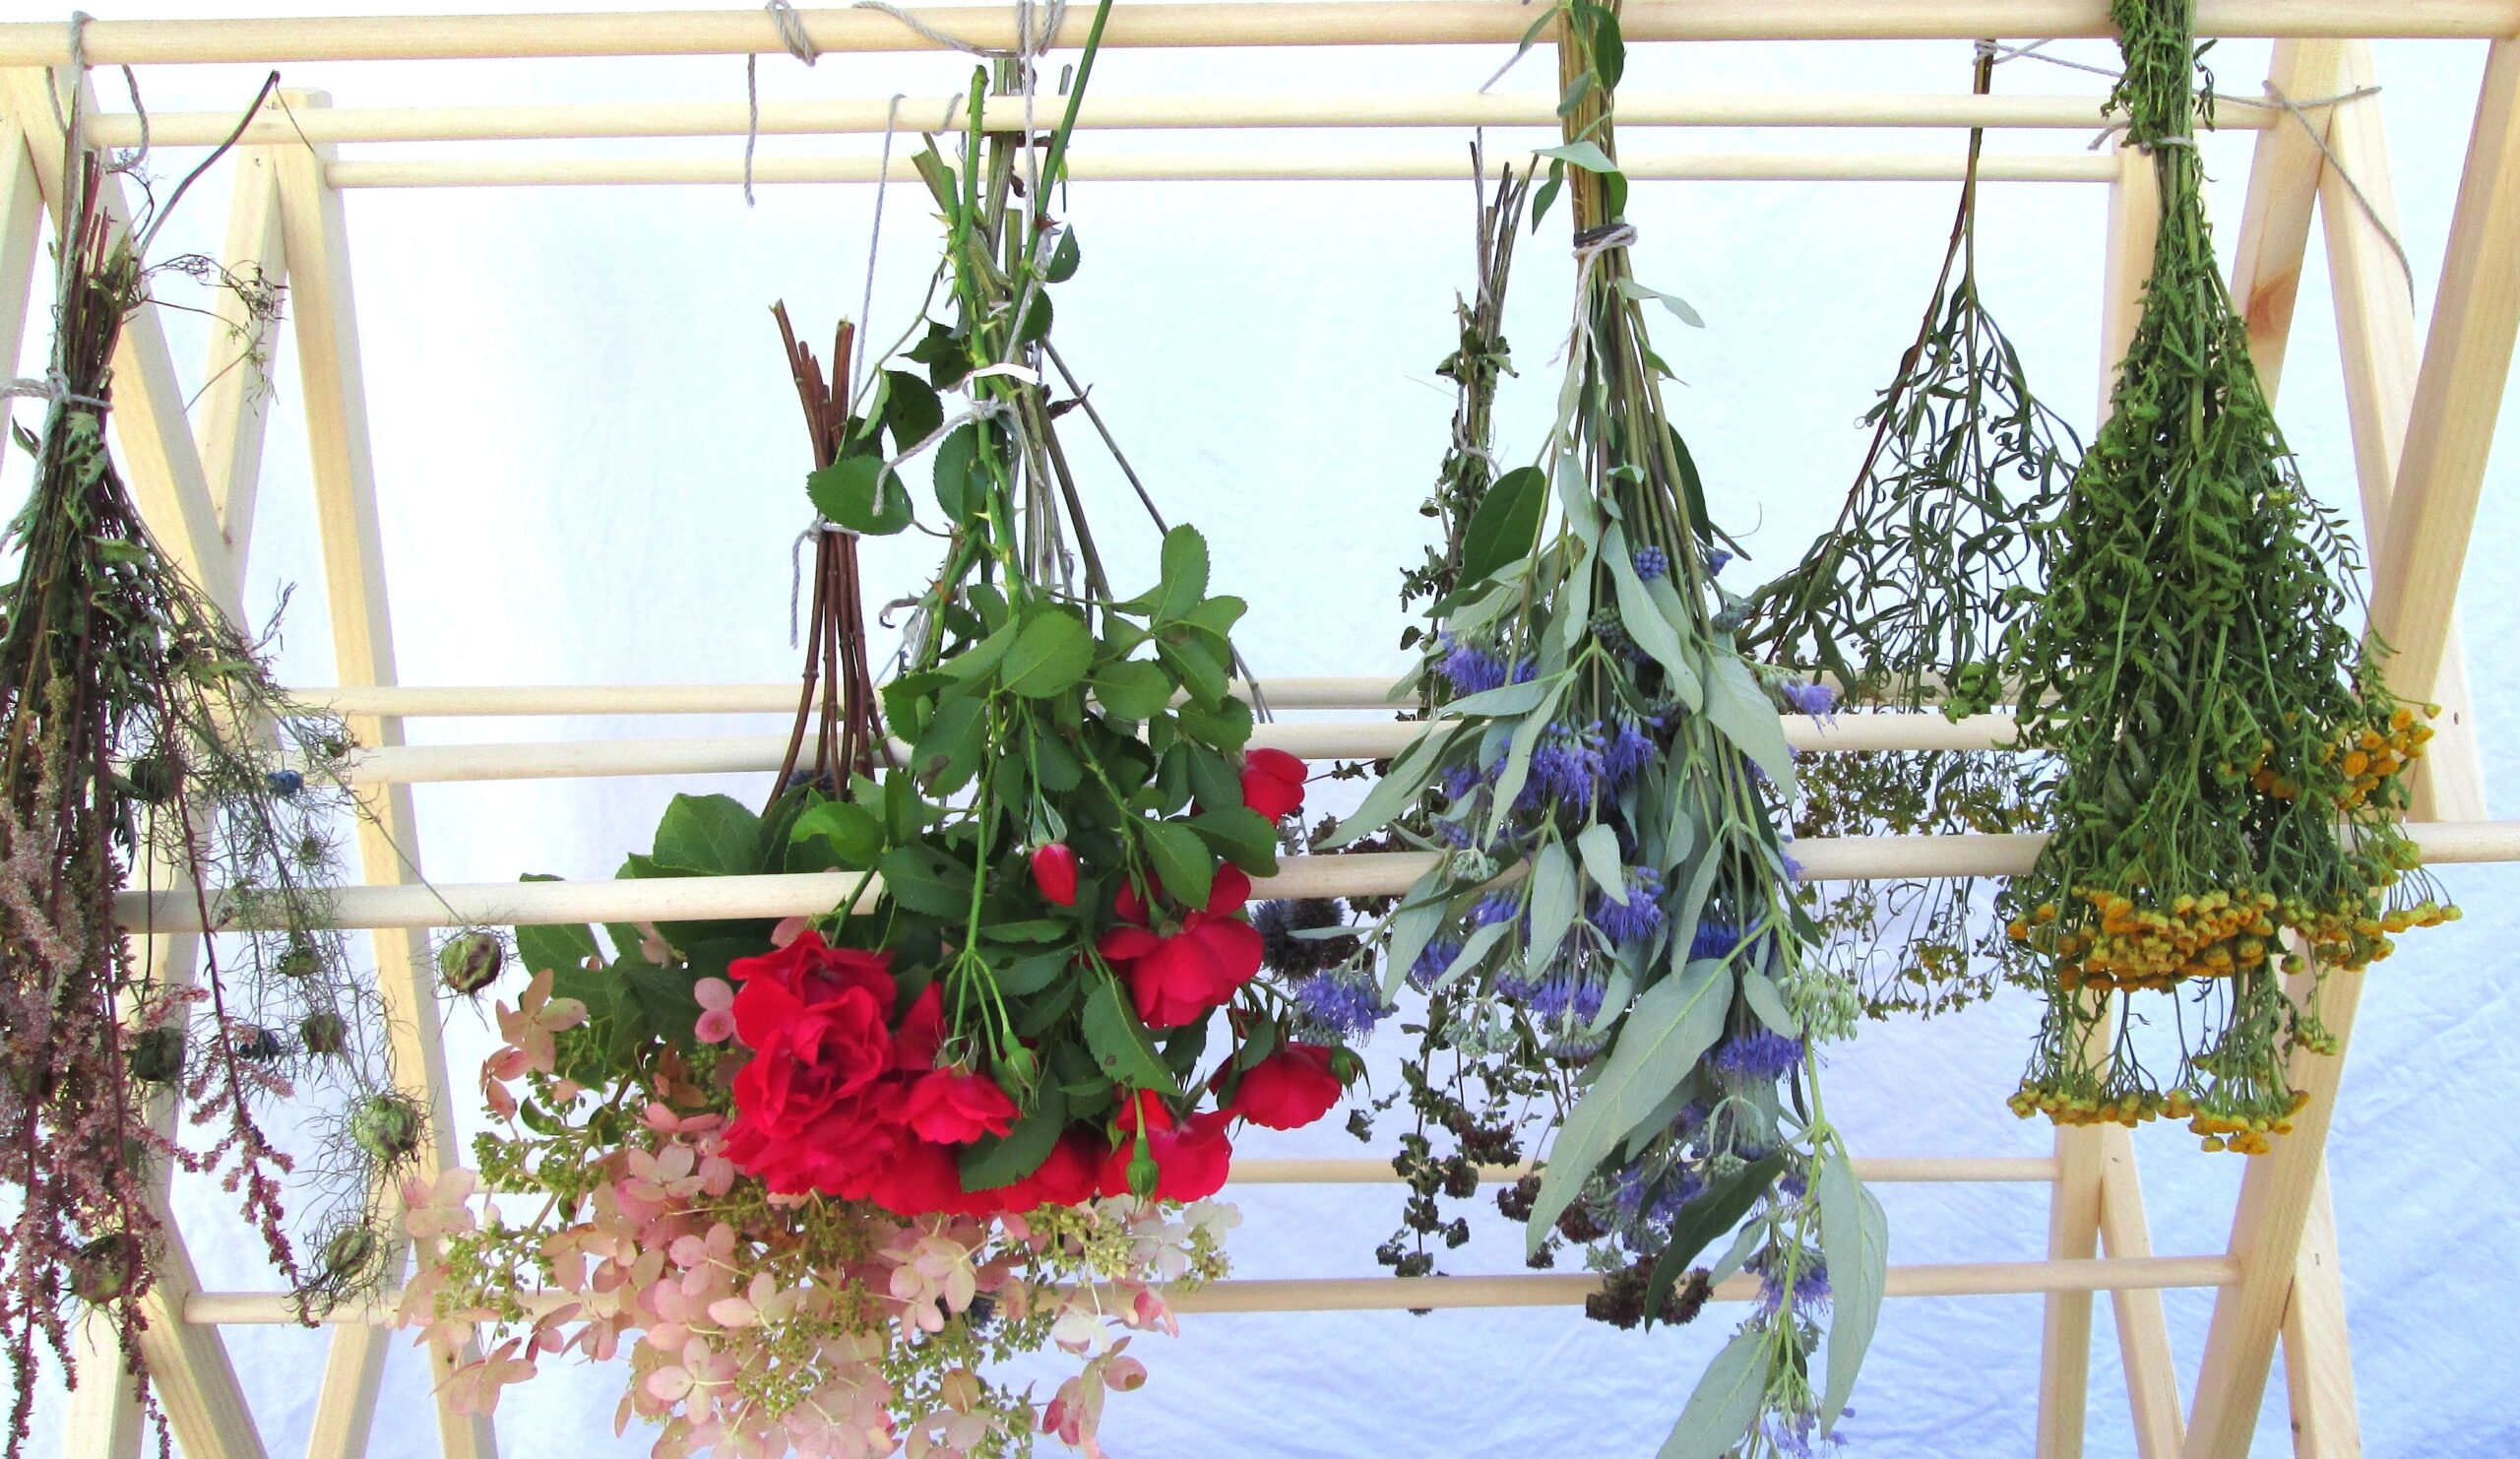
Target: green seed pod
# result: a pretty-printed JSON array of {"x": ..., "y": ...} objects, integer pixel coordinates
[
  {"x": 155, "y": 777},
  {"x": 156, "y": 1055},
  {"x": 348, "y": 1254},
  {"x": 299, "y": 959},
  {"x": 322, "y": 1033},
  {"x": 471, "y": 962},
  {"x": 102, "y": 1270},
  {"x": 386, "y": 1127}
]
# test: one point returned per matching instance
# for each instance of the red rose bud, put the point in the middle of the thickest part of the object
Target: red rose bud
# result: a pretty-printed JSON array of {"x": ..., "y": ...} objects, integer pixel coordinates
[
  {"x": 1272, "y": 782},
  {"x": 1290, "y": 1089},
  {"x": 1054, "y": 871}
]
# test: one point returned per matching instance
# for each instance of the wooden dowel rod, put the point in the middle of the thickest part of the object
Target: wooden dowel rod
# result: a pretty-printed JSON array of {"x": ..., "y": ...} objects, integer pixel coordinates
[
  {"x": 1374, "y": 873},
  {"x": 1349, "y": 740},
  {"x": 860, "y": 115},
  {"x": 1323, "y": 165},
  {"x": 1906, "y": 1170},
  {"x": 1399, "y": 1293},
  {"x": 462, "y": 700},
  {"x": 1167, "y": 25}
]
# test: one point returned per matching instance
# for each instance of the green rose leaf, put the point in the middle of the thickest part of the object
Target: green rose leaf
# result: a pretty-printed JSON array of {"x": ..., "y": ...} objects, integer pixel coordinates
[
  {"x": 707, "y": 835},
  {"x": 1122, "y": 1052},
  {"x": 1050, "y": 655},
  {"x": 992, "y": 1162},
  {"x": 846, "y": 493},
  {"x": 1182, "y": 859},
  {"x": 1132, "y": 690}
]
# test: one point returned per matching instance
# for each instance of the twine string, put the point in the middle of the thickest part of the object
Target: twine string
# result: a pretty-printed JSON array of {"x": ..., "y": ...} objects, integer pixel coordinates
[
  {"x": 791, "y": 35},
  {"x": 54, "y": 387}
]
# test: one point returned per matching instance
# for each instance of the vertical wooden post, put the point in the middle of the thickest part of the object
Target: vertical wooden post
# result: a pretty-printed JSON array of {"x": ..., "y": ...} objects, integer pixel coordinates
[
  {"x": 2074, "y": 1206},
  {"x": 20, "y": 227},
  {"x": 2318, "y": 1353},
  {"x": 235, "y": 397},
  {"x": 316, "y": 241},
  {"x": 2467, "y": 359},
  {"x": 2375, "y": 325}
]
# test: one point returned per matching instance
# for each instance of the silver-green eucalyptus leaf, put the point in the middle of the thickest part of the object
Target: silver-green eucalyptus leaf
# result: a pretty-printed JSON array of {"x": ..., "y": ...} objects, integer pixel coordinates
[
  {"x": 1854, "y": 1241},
  {"x": 1737, "y": 706},
  {"x": 1598, "y": 845},
  {"x": 1556, "y": 896},
  {"x": 1760, "y": 993},
  {"x": 1397, "y": 791},
  {"x": 1726, "y": 1402}
]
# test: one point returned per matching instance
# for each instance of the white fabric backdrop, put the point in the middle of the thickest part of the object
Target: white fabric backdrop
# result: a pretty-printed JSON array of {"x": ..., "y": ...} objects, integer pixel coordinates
[{"x": 589, "y": 458}]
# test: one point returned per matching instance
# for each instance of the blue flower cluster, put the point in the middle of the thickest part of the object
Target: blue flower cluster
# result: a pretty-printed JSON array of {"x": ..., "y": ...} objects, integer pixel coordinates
[
  {"x": 1472, "y": 669},
  {"x": 1652, "y": 564},
  {"x": 1346, "y": 1005},
  {"x": 1495, "y": 907},
  {"x": 1813, "y": 699},
  {"x": 1713, "y": 940},
  {"x": 1431, "y": 962},
  {"x": 1630, "y": 749},
  {"x": 286, "y": 783},
  {"x": 1760, "y": 1057},
  {"x": 1568, "y": 765},
  {"x": 1642, "y": 916},
  {"x": 1716, "y": 557}
]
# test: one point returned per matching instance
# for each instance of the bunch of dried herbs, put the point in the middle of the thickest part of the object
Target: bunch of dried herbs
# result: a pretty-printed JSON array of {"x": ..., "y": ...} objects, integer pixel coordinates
[
  {"x": 1905, "y": 602},
  {"x": 1612, "y": 895},
  {"x": 143, "y": 742},
  {"x": 2229, "y": 779}
]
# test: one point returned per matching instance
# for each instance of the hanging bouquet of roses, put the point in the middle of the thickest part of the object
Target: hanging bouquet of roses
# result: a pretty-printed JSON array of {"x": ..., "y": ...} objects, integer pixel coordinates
[
  {"x": 825, "y": 1170},
  {"x": 1609, "y": 877}
]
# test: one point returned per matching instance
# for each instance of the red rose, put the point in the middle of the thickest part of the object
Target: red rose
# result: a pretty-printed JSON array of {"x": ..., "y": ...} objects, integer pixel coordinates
[
  {"x": 952, "y": 1108},
  {"x": 1176, "y": 980},
  {"x": 1290, "y": 1089},
  {"x": 923, "y": 1179},
  {"x": 819, "y": 1023},
  {"x": 1272, "y": 782},
  {"x": 1054, "y": 872},
  {"x": 1191, "y": 1161},
  {"x": 1067, "y": 1179}
]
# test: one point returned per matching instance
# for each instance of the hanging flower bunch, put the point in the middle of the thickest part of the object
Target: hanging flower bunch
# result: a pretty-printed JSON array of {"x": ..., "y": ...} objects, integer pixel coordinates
[
  {"x": 827, "y": 1171},
  {"x": 1610, "y": 887},
  {"x": 689, "y": 1122},
  {"x": 145, "y": 744},
  {"x": 2231, "y": 762},
  {"x": 1905, "y": 602}
]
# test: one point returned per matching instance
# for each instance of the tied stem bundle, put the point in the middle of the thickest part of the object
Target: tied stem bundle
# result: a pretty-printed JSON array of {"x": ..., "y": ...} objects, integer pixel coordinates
[
  {"x": 2232, "y": 766},
  {"x": 1613, "y": 913},
  {"x": 1906, "y": 600},
  {"x": 142, "y": 738}
]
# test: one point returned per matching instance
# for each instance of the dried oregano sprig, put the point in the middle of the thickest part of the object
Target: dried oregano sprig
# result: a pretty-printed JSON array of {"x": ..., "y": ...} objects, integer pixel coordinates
[
  {"x": 142, "y": 740},
  {"x": 1906, "y": 600},
  {"x": 1613, "y": 896},
  {"x": 2231, "y": 762}
]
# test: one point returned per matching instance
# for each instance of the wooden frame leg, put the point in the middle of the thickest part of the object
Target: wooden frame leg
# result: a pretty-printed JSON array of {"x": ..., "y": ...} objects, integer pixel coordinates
[{"x": 316, "y": 238}]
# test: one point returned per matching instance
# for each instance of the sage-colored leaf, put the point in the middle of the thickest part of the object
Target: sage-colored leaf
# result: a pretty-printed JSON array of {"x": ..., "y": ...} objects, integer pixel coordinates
[
  {"x": 1557, "y": 897},
  {"x": 1597, "y": 844},
  {"x": 1673, "y": 1025},
  {"x": 1585, "y": 154},
  {"x": 1760, "y": 993},
  {"x": 1854, "y": 1241},
  {"x": 1737, "y": 705},
  {"x": 1726, "y": 1401},
  {"x": 1398, "y": 788}
]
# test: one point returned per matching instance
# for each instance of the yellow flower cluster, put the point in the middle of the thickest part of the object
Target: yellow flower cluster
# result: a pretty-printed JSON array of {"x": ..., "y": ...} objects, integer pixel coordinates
[
  {"x": 2374, "y": 756},
  {"x": 2228, "y": 1126},
  {"x": 2116, "y": 944}
]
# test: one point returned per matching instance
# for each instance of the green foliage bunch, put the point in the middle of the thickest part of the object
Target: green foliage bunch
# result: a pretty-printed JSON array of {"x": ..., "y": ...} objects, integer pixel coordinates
[
  {"x": 2229, "y": 763},
  {"x": 1905, "y": 602}
]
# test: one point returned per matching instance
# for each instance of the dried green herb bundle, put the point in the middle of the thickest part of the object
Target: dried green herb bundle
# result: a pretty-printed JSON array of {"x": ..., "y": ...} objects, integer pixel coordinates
[
  {"x": 1906, "y": 600},
  {"x": 2230, "y": 761},
  {"x": 142, "y": 740}
]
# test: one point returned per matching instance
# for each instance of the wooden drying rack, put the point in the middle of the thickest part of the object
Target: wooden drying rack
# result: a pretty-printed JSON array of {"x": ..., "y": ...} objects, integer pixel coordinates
[{"x": 2422, "y": 411}]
